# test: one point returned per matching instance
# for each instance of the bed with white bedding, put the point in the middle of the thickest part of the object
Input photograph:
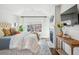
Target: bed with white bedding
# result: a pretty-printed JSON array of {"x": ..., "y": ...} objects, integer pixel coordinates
[
  {"x": 21, "y": 44},
  {"x": 26, "y": 45},
  {"x": 31, "y": 48},
  {"x": 22, "y": 41}
]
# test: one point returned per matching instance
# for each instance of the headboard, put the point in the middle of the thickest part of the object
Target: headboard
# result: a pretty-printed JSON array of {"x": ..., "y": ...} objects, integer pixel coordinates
[{"x": 5, "y": 25}]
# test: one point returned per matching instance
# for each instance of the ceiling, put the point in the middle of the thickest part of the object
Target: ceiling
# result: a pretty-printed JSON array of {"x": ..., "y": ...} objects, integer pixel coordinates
[{"x": 27, "y": 9}]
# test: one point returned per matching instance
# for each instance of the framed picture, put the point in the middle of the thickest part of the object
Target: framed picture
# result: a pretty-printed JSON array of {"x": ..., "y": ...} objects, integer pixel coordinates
[{"x": 34, "y": 28}]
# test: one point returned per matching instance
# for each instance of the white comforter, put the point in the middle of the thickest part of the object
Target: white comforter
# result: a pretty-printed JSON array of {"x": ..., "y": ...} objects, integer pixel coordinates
[{"x": 24, "y": 41}]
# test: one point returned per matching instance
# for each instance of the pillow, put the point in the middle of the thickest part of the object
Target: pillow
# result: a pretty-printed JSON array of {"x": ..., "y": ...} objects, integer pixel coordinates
[
  {"x": 1, "y": 33},
  {"x": 4, "y": 43},
  {"x": 13, "y": 31},
  {"x": 7, "y": 32}
]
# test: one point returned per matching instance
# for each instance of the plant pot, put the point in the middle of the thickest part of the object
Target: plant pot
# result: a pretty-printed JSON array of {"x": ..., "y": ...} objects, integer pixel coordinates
[{"x": 60, "y": 34}]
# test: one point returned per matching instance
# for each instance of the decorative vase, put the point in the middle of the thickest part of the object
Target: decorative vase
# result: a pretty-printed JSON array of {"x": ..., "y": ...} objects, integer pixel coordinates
[{"x": 60, "y": 34}]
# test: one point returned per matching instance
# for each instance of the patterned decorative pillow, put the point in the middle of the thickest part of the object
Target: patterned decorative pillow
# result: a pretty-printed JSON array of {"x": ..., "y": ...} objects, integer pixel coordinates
[
  {"x": 7, "y": 32},
  {"x": 13, "y": 31},
  {"x": 1, "y": 33}
]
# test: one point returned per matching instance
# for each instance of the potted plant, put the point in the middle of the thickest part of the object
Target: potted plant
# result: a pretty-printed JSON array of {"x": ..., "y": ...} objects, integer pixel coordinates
[
  {"x": 20, "y": 28},
  {"x": 60, "y": 26}
]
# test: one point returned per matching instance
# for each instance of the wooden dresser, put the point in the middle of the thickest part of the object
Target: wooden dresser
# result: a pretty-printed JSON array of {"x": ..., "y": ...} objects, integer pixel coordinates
[{"x": 68, "y": 40}]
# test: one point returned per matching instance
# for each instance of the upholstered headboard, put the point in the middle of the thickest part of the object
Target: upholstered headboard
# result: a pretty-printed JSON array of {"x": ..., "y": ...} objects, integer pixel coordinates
[{"x": 5, "y": 25}]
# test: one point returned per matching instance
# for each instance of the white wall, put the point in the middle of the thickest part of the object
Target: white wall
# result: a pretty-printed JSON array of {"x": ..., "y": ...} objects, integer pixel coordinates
[
  {"x": 11, "y": 13},
  {"x": 40, "y": 10},
  {"x": 43, "y": 21},
  {"x": 4, "y": 16}
]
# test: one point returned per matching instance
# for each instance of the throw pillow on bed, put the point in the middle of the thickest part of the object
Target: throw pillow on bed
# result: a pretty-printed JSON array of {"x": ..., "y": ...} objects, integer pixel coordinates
[
  {"x": 1, "y": 33},
  {"x": 13, "y": 31},
  {"x": 7, "y": 32}
]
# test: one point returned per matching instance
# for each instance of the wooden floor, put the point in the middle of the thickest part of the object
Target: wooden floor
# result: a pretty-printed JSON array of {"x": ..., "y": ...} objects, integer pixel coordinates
[{"x": 53, "y": 51}]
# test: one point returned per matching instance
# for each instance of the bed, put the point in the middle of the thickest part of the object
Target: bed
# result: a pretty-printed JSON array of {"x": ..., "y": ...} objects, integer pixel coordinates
[
  {"x": 21, "y": 44},
  {"x": 33, "y": 47}
]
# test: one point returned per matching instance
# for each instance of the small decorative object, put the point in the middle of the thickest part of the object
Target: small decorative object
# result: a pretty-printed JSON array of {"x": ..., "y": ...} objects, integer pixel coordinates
[
  {"x": 20, "y": 28},
  {"x": 60, "y": 26}
]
